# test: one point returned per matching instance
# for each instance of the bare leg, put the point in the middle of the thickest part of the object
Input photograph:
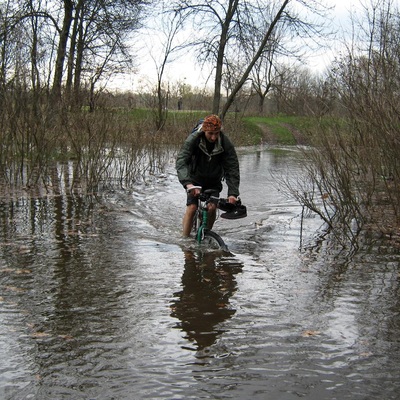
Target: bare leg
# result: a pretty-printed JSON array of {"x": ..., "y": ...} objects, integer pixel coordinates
[
  {"x": 188, "y": 219},
  {"x": 212, "y": 212}
]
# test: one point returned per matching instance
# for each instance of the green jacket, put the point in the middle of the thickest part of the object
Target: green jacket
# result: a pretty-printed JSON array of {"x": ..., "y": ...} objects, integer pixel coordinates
[{"x": 195, "y": 165}]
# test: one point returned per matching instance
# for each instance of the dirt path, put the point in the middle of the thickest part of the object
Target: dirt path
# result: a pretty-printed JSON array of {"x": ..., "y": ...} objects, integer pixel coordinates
[
  {"x": 268, "y": 136},
  {"x": 271, "y": 138}
]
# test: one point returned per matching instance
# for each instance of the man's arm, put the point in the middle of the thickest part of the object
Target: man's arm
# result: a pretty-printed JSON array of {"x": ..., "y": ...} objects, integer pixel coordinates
[
  {"x": 184, "y": 160},
  {"x": 231, "y": 169}
]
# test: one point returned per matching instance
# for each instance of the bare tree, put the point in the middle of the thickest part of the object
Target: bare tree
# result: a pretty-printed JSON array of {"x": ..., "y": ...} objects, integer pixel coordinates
[
  {"x": 263, "y": 75},
  {"x": 83, "y": 38},
  {"x": 170, "y": 44},
  {"x": 354, "y": 172},
  {"x": 217, "y": 18},
  {"x": 98, "y": 41},
  {"x": 62, "y": 47},
  {"x": 228, "y": 25}
]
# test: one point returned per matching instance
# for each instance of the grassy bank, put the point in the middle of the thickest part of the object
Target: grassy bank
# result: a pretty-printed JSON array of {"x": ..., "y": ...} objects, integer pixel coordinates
[
  {"x": 244, "y": 131},
  {"x": 247, "y": 131},
  {"x": 281, "y": 130}
]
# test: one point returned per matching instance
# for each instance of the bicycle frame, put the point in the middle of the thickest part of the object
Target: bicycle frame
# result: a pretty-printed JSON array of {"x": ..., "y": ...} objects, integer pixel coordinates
[
  {"x": 202, "y": 210},
  {"x": 202, "y": 233}
]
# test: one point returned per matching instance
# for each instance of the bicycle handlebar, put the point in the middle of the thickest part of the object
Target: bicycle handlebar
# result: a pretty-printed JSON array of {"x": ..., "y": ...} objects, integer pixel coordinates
[
  {"x": 206, "y": 195},
  {"x": 232, "y": 210}
]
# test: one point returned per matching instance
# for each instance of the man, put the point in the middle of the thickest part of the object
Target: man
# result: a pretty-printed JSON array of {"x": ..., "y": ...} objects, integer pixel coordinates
[{"x": 206, "y": 157}]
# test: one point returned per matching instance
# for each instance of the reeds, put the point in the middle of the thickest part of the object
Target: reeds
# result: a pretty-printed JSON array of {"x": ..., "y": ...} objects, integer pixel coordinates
[{"x": 53, "y": 148}]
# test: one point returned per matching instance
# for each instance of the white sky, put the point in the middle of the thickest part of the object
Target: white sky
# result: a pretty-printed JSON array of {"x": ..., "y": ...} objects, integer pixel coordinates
[{"x": 185, "y": 69}]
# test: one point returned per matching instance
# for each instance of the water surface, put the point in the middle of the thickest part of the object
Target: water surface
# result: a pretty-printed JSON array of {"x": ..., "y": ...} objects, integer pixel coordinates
[{"x": 107, "y": 301}]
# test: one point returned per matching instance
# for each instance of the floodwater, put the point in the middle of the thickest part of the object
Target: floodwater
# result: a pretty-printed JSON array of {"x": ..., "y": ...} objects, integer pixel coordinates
[{"x": 107, "y": 301}]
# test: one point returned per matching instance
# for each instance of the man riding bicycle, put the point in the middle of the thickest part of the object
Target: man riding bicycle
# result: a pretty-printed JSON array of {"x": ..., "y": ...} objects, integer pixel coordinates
[{"x": 207, "y": 156}]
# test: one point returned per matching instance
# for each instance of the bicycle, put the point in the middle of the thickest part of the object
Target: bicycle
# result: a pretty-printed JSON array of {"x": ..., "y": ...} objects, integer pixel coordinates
[{"x": 204, "y": 235}]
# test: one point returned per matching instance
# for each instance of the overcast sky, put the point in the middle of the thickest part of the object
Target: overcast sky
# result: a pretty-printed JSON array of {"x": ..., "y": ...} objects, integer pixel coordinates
[{"x": 186, "y": 70}]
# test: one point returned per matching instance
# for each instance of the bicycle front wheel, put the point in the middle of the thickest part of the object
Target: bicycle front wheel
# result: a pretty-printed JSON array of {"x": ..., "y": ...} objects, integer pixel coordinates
[{"x": 213, "y": 241}]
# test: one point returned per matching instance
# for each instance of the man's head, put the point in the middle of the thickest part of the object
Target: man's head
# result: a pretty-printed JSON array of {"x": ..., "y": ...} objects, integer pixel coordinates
[{"x": 212, "y": 127}]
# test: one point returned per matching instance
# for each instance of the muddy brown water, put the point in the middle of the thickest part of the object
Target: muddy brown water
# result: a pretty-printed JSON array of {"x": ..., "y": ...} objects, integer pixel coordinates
[{"x": 109, "y": 302}]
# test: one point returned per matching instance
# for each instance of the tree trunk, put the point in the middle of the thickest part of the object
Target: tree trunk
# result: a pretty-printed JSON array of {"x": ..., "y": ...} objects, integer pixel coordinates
[
  {"x": 72, "y": 52},
  {"x": 261, "y": 104},
  {"x": 62, "y": 49},
  {"x": 80, "y": 43},
  {"x": 246, "y": 74},
  {"x": 233, "y": 4}
]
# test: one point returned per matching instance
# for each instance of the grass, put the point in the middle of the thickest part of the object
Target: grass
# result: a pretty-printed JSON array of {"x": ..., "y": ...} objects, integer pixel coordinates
[
  {"x": 280, "y": 127},
  {"x": 244, "y": 131}
]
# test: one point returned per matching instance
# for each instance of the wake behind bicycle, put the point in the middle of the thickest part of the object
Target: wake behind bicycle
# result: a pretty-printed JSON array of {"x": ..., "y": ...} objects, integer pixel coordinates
[{"x": 206, "y": 236}]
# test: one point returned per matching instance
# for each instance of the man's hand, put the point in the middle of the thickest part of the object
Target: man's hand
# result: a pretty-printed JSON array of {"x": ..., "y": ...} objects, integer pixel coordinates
[{"x": 193, "y": 190}]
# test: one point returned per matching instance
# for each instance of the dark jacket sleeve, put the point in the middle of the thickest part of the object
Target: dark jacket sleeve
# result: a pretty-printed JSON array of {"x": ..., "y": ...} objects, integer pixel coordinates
[
  {"x": 231, "y": 168},
  {"x": 183, "y": 162}
]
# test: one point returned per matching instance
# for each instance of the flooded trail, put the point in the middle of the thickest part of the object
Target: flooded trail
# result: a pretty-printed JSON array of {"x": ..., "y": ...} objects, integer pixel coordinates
[{"x": 109, "y": 302}]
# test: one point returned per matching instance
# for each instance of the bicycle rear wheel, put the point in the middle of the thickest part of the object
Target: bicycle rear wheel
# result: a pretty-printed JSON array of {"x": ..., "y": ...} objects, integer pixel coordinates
[{"x": 213, "y": 241}]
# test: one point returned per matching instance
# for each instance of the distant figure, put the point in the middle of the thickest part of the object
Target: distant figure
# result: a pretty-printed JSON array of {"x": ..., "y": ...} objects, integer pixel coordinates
[{"x": 180, "y": 104}]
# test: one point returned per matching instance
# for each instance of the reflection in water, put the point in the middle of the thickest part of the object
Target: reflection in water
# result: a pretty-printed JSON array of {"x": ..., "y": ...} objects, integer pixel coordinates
[
  {"x": 86, "y": 292},
  {"x": 208, "y": 282}
]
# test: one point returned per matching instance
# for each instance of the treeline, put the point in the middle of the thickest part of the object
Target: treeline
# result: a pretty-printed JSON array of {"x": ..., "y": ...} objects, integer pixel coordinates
[
  {"x": 60, "y": 49},
  {"x": 300, "y": 93},
  {"x": 67, "y": 50}
]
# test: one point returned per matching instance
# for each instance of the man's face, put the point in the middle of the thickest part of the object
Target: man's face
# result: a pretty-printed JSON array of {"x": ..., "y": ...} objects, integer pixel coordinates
[{"x": 211, "y": 136}]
